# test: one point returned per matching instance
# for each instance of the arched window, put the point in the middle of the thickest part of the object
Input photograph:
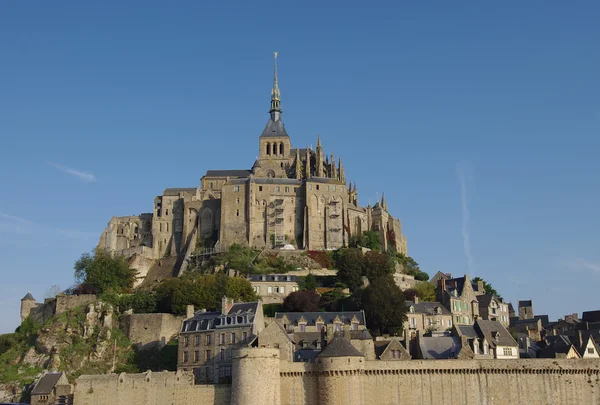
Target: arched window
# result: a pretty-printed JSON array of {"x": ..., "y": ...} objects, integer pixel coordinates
[
  {"x": 268, "y": 148},
  {"x": 281, "y": 148}
]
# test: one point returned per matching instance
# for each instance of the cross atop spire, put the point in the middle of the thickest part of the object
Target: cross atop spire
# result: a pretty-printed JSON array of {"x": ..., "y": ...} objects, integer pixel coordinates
[{"x": 275, "y": 95}]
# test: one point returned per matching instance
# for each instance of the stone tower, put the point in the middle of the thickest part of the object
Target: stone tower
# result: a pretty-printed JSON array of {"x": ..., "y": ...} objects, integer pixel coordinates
[
  {"x": 27, "y": 304},
  {"x": 340, "y": 369},
  {"x": 256, "y": 377},
  {"x": 526, "y": 309}
]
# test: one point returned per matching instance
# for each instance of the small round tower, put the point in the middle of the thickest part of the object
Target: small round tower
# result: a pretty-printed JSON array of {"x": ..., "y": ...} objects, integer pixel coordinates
[
  {"x": 27, "y": 304},
  {"x": 255, "y": 373},
  {"x": 340, "y": 368}
]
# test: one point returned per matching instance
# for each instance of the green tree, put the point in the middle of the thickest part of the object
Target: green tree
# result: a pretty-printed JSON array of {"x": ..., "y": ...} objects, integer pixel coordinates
[
  {"x": 308, "y": 283},
  {"x": 378, "y": 265},
  {"x": 202, "y": 291},
  {"x": 487, "y": 287},
  {"x": 372, "y": 240},
  {"x": 104, "y": 272},
  {"x": 411, "y": 267},
  {"x": 384, "y": 306},
  {"x": 425, "y": 291},
  {"x": 349, "y": 263}
]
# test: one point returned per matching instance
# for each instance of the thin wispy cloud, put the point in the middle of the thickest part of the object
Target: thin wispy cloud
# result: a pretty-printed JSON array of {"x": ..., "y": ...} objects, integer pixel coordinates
[
  {"x": 12, "y": 224},
  {"x": 464, "y": 172},
  {"x": 584, "y": 265},
  {"x": 81, "y": 175}
]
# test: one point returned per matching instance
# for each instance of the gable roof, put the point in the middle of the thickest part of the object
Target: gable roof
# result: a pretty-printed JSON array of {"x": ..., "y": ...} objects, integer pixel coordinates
[
  {"x": 340, "y": 347},
  {"x": 428, "y": 307},
  {"x": 46, "y": 384},
  {"x": 495, "y": 333},
  {"x": 443, "y": 347}
]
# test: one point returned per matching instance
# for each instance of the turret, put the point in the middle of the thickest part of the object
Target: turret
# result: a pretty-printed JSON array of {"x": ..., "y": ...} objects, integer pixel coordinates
[{"x": 27, "y": 304}]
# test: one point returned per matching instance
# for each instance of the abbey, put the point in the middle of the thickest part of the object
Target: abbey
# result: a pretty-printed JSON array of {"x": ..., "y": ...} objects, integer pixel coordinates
[{"x": 290, "y": 196}]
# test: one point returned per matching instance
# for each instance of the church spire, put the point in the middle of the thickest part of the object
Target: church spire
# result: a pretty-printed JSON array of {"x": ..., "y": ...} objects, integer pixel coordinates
[
  {"x": 383, "y": 202},
  {"x": 275, "y": 95}
]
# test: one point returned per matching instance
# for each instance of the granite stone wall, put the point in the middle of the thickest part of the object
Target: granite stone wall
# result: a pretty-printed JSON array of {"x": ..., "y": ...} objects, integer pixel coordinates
[{"x": 148, "y": 389}]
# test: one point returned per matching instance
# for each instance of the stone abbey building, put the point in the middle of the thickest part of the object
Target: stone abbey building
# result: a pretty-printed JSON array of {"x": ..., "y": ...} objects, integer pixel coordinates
[{"x": 289, "y": 196}]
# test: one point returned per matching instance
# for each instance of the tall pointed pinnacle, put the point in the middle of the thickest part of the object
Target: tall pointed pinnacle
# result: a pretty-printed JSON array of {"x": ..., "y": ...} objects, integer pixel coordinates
[
  {"x": 275, "y": 95},
  {"x": 383, "y": 203},
  {"x": 341, "y": 173},
  {"x": 318, "y": 140}
]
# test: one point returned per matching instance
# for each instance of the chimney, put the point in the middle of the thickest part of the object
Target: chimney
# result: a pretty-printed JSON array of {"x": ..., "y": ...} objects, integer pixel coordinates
[
  {"x": 189, "y": 313},
  {"x": 480, "y": 286},
  {"x": 226, "y": 304},
  {"x": 416, "y": 299}
]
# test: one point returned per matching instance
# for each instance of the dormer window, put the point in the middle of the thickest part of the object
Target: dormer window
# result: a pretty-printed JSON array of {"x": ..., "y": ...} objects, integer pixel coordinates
[
  {"x": 319, "y": 326},
  {"x": 411, "y": 309}
]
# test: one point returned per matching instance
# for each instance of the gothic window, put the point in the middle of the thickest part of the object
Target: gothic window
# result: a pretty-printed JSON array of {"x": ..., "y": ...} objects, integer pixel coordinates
[
  {"x": 281, "y": 148},
  {"x": 268, "y": 148}
]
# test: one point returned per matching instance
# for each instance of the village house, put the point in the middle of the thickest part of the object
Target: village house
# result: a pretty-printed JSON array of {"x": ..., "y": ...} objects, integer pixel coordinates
[
  {"x": 207, "y": 338},
  {"x": 426, "y": 317},
  {"x": 489, "y": 339},
  {"x": 492, "y": 308},
  {"x": 273, "y": 288},
  {"x": 459, "y": 297},
  {"x": 52, "y": 389}
]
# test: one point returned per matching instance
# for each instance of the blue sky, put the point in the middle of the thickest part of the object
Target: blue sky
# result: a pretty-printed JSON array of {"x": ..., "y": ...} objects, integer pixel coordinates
[{"x": 479, "y": 121}]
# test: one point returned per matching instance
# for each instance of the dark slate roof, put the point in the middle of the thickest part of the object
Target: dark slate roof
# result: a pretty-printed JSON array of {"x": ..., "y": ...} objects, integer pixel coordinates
[
  {"x": 590, "y": 316},
  {"x": 544, "y": 318},
  {"x": 274, "y": 128},
  {"x": 380, "y": 346},
  {"x": 485, "y": 299},
  {"x": 328, "y": 317},
  {"x": 526, "y": 303},
  {"x": 511, "y": 309},
  {"x": 228, "y": 173},
  {"x": 551, "y": 351},
  {"x": 28, "y": 296},
  {"x": 428, "y": 307},
  {"x": 445, "y": 347},
  {"x": 468, "y": 331},
  {"x": 308, "y": 340},
  {"x": 490, "y": 328},
  {"x": 46, "y": 384},
  {"x": 271, "y": 277},
  {"x": 211, "y": 320},
  {"x": 340, "y": 347},
  {"x": 176, "y": 191},
  {"x": 361, "y": 334}
]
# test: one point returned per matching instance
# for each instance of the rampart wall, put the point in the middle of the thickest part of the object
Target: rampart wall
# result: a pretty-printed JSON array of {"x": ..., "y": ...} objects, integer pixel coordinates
[
  {"x": 148, "y": 389},
  {"x": 151, "y": 330},
  {"x": 67, "y": 302},
  {"x": 353, "y": 381},
  {"x": 460, "y": 382}
]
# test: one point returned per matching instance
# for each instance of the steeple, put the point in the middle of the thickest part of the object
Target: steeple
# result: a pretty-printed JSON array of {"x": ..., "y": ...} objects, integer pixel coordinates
[
  {"x": 383, "y": 203},
  {"x": 275, "y": 95}
]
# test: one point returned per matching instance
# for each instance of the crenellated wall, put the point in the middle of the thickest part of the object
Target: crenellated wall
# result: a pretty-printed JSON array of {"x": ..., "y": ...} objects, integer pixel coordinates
[
  {"x": 148, "y": 389},
  {"x": 353, "y": 381}
]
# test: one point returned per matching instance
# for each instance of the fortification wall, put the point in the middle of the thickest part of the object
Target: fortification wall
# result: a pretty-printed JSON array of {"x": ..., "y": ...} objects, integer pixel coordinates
[
  {"x": 352, "y": 382},
  {"x": 477, "y": 382},
  {"x": 67, "y": 302},
  {"x": 151, "y": 330},
  {"x": 148, "y": 389}
]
